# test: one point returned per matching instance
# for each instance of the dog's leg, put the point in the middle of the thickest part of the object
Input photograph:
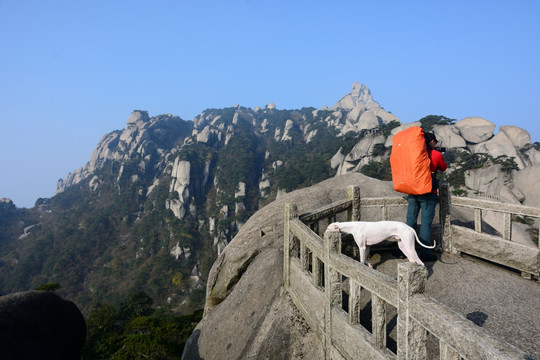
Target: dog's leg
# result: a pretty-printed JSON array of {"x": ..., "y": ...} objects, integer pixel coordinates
[
  {"x": 367, "y": 255},
  {"x": 364, "y": 252},
  {"x": 363, "y": 255},
  {"x": 361, "y": 242},
  {"x": 409, "y": 251}
]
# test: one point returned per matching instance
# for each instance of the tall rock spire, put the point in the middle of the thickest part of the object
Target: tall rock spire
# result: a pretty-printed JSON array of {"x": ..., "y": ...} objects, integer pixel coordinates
[
  {"x": 360, "y": 96},
  {"x": 362, "y": 112}
]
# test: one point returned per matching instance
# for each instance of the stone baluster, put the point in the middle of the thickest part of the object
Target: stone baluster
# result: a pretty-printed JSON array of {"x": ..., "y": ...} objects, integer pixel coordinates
[
  {"x": 478, "y": 220},
  {"x": 290, "y": 213},
  {"x": 354, "y": 302},
  {"x": 353, "y": 193},
  {"x": 378, "y": 322},
  {"x": 332, "y": 283},
  {"x": 445, "y": 240},
  {"x": 507, "y": 230},
  {"x": 317, "y": 272},
  {"x": 411, "y": 336}
]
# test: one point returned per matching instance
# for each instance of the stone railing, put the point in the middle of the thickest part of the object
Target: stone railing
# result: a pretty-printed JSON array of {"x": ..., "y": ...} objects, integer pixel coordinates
[
  {"x": 498, "y": 249},
  {"x": 329, "y": 289}
]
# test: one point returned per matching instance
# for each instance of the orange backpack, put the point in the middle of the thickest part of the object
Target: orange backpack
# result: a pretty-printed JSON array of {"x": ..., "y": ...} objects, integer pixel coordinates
[{"x": 409, "y": 161}]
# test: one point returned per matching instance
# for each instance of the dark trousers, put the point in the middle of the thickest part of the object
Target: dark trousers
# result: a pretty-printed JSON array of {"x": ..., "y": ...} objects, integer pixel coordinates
[{"x": 424, "y": 204}]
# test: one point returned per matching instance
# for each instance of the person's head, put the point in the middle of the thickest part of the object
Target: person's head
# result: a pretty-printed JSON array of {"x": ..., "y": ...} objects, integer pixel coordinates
[{"x": 431, "y": 140}]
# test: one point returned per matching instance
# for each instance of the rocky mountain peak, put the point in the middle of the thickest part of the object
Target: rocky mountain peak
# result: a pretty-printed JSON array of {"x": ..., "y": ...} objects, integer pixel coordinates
[
  {"x": 359, "y": 97},
  {"x": 137, "y": 117},
  {"x": 360, "y": 111},
  {"x": 6, "y": 204}
]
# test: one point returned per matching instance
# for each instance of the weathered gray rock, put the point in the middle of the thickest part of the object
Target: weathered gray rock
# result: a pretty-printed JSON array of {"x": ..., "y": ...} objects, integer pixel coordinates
[
  {"x": 490, "y": 181},
  {"x": 449, "y": 136},
  {"x": 475, "y": 129},
  {"x": 359, "y": 155},
  {"x": 137, "y": 118},
  {"x": 385, "y": 116},
  {"x": 141, "y": 138},
  {"x": 499, "y": 145},
  {"x": 361, "y": 120},
  {"x": 204, "y": 135},
  {"x": 533, "y": 156},
  {"x": 527, "y": 181},
  {"x": 180, "y": 180},
  {"x": 517, "y": 135},
  {"x": 40, "y": 325},
  {"x": 362, "y": 112},
  {"x": 288, "y": 126},
  {"x": 360, "y": 96},
  {"x": 337, "y": 159},
  {"x": 28, "y": 230}
]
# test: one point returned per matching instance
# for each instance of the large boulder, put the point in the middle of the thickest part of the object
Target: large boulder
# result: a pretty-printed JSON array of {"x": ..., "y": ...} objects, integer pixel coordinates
[
  {"x": 499, "y": 145},
  {"x": 359, "y": 155},
  {"x": 40, "y": 325},
  {"x": 449, "y": 136},
  {"x": 475, "y": 129},
  {"x": 517, "y": 135},
  {"x": 533, "y": 156},
  {"x": 490, "y": 181},
  {"x": 527, "y": 181}
]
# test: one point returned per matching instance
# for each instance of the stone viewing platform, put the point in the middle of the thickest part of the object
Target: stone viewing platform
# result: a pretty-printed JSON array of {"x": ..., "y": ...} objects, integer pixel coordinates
[
  {"x": 471, "y": 308},
  {"x": 453, "y": 308}
]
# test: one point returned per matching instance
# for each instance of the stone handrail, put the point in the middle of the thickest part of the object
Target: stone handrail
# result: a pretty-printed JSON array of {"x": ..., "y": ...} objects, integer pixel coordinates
[
  {"x": 313, "y": 271},
  {"x": 501, "y": 250}
]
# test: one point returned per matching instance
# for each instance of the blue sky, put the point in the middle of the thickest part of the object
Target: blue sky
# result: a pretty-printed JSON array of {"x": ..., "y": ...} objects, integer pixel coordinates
[{"x": 72, "y": 71}]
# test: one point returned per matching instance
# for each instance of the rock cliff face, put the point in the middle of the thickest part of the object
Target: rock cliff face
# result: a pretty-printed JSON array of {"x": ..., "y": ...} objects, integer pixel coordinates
[
  {"x": 145, "y": 141},
  {"x": 153, "y": 145},
  {"x": 190, "y": 155}
]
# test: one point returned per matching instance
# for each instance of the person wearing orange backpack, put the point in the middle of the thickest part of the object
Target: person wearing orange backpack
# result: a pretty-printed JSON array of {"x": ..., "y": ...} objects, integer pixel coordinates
[{"x": 426, "y": 203}]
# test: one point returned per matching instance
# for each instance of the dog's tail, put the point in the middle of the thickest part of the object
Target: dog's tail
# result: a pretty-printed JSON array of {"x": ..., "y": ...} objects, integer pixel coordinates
[{"x": 422, "y": 244}]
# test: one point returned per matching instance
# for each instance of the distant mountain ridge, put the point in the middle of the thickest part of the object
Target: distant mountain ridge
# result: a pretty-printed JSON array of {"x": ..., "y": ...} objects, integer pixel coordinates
[
  {"x": 159, "y": 200},
  {"x": 162, "y": 143}
]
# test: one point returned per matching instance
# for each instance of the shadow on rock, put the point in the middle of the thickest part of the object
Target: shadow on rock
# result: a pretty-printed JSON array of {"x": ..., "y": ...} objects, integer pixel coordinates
[
  {"x": 477, "y": 317},
  {"x": 191, "y": 350}
]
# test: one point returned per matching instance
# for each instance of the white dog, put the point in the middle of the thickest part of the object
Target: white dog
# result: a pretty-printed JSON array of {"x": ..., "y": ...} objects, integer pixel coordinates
[{"x": 366, "y": 234}]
